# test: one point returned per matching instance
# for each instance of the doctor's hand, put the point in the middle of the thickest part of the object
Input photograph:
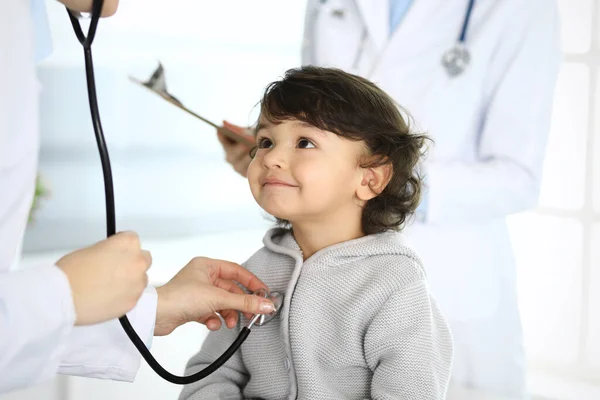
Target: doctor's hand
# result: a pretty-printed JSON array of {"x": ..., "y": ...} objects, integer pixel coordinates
[
  {"x": 205, "y": 286},
  {"x": 109, "y": 7},
  {"x": 236, "y": 153},
  {"x": 106, "y": 279}
]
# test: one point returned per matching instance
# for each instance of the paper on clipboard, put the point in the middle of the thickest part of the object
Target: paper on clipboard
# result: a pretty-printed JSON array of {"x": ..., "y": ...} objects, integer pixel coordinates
[{"x": 157, "y": 84}]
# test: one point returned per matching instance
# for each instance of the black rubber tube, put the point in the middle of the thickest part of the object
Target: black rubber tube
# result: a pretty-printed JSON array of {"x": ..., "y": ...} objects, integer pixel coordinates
[{"x": 86, "y": 42}]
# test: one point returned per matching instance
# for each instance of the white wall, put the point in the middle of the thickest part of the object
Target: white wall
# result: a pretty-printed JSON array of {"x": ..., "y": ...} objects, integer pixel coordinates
[{"x": 556, "y": 245}]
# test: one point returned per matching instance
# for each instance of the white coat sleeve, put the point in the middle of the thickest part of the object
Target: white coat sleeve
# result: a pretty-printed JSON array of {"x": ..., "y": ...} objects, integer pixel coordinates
[
  {"x": 104, "y": 350},
  {"x": 36, "y": 318},
  {"x": 38, "y": 338},
  {"x": 506, "y": 176}
]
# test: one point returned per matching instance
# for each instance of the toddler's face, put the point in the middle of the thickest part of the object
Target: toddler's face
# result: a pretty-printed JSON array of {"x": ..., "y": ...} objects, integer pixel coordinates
[{"x": 301, "y": 173}]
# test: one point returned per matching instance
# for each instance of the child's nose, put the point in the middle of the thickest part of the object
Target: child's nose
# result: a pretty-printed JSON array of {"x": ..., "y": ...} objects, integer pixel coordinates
[{"x": 277, "y": 157}]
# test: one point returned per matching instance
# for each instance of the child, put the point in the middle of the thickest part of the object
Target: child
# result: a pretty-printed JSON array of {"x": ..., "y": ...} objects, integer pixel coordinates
[{"x": 335, "y": 163}]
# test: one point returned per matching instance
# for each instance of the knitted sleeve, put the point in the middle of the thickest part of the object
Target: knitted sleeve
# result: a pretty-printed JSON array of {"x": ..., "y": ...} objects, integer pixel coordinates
[
  {"x": 225, "y": 383},
  {"x": 408, "y": 347}
]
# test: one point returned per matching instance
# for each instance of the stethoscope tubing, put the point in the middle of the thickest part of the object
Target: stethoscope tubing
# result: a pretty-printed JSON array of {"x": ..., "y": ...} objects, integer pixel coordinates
[{"x": 86, "y": 42}]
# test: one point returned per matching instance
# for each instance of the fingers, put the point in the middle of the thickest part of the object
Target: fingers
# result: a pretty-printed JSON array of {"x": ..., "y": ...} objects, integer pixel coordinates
[
  {"x": 224, "y": 134},
  {"x": 232, "y": 287},
  {"x": 225, "y": 141},
  {"x": 237, "y": 152},
  {"x": 241, "y": 167},
  {"x": 231, "y": 318},
  {"x": 246, "y": 303},
  {"x": 147, "y": 257},
  {"x": 228, "y": 285},
  {"x": 213, "y": 322},
  {"x": 126, "y": 239},
  {"x": 234, "y": 128},
  {"x": 129, "y": 242},
  {"x": 234, "y": 272}
]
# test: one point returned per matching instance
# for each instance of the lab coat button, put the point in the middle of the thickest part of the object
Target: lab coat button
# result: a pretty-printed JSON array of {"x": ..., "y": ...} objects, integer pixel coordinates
[{"x": 286, "y": 363}]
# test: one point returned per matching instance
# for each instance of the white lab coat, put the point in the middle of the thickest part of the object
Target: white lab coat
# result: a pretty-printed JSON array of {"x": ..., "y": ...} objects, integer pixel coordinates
[
  {"x": 490, "y": 126},
  {"x": 37, "y": 337}
]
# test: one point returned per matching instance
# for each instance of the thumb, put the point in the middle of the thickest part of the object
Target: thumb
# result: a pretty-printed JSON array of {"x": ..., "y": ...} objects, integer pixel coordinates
[
  {"x": 234, "y": 128},
  {"x": 246, "y": 303}
]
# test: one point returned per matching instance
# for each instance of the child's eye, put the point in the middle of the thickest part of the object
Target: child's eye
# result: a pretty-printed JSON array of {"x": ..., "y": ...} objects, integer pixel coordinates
[
  {"x": 264, "y": 143},
  {"x": 305, "y": 144}
]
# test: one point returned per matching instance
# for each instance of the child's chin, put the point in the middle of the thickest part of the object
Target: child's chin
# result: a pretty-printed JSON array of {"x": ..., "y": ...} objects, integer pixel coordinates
[
  {"x": 281, "y": 216},
  {"x": 277, "y": 212}
]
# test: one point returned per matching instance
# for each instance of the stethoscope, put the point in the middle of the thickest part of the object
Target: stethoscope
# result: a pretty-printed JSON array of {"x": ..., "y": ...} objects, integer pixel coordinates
[
  {"x": 257, "y": 319},
  {"x": 455, "y": 60}
]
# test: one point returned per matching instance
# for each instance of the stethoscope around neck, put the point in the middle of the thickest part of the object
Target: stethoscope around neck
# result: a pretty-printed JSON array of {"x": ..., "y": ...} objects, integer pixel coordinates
[
  {"x": 256, "y": 320},
  {"x": 454, "y": 60}
]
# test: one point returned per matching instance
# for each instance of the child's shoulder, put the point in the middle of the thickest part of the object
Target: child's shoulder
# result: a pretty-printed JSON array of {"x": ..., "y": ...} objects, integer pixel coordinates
[
  {"x": 278, "y": 240},
  {"x": 259, "y": 259},
  {"x": 399, "y": 265},
  {"x": 278, "y": 248}
]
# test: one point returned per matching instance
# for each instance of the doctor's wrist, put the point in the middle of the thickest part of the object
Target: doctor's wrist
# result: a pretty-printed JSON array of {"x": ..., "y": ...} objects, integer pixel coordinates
[{"x": 167, "y": 316}]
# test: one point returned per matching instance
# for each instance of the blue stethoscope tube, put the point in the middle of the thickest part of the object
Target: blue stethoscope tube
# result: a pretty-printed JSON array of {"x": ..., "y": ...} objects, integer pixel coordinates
[{"x": 463, "y": 32}]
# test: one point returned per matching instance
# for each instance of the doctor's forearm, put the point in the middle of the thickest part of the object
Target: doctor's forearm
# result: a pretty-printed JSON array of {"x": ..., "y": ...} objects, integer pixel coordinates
[{"x": 108, "y": 8}]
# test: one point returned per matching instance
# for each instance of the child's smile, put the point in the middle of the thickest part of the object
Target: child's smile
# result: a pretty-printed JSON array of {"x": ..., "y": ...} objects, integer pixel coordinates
[
  {"x": 273, "y": 182},
  {"x": 300, "y": 171}
]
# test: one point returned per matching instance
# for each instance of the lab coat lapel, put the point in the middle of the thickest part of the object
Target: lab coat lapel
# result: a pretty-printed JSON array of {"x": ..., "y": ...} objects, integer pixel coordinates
[
  {"x": 375, "y": 15},
  {"x": 421, "y": 13}
]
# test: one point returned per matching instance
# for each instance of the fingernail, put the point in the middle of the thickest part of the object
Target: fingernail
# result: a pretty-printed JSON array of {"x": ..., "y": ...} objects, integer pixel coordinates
[{"x": 266, "y": 307}]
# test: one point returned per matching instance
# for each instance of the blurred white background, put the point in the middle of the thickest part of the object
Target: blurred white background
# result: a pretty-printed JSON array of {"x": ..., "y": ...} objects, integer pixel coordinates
[
  {"x": 173, "y": 186},
  {"x": 169, "y": 175}
]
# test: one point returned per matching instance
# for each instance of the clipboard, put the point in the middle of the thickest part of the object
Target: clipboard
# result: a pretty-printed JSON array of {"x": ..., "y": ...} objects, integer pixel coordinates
[{"x": 158, "y": 84}]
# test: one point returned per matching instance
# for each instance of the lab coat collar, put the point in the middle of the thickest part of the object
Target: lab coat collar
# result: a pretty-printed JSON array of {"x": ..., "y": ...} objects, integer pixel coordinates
[{"x": 376, "y": 18}]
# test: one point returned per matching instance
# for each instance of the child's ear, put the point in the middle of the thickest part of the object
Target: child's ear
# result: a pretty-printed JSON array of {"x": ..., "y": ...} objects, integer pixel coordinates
[{"x": 374, "y": 181}]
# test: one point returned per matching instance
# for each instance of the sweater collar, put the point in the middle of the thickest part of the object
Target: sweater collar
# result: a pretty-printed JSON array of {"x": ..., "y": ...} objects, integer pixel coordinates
[{"x": 282, "y": 241}]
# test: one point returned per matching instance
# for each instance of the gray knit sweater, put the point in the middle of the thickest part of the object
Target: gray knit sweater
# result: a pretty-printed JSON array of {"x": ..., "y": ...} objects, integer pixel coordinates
[{"x": 358, "y": 322}]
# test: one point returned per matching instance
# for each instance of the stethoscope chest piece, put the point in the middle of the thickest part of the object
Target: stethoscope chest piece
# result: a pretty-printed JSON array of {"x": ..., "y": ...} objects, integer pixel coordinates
[
  {"x": 262, "y": 319},
  {"x": 456, "y": 60}
]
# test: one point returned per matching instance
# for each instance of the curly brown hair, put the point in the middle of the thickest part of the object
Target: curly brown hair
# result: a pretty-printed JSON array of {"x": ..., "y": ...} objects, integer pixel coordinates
[{"x": 355, "y": 108}]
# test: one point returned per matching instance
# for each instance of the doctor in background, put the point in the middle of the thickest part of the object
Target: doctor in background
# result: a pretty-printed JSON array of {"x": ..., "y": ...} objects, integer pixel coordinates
[
  {"x": 490, "y": 123},
  {"x": 40, "y": 307}
]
